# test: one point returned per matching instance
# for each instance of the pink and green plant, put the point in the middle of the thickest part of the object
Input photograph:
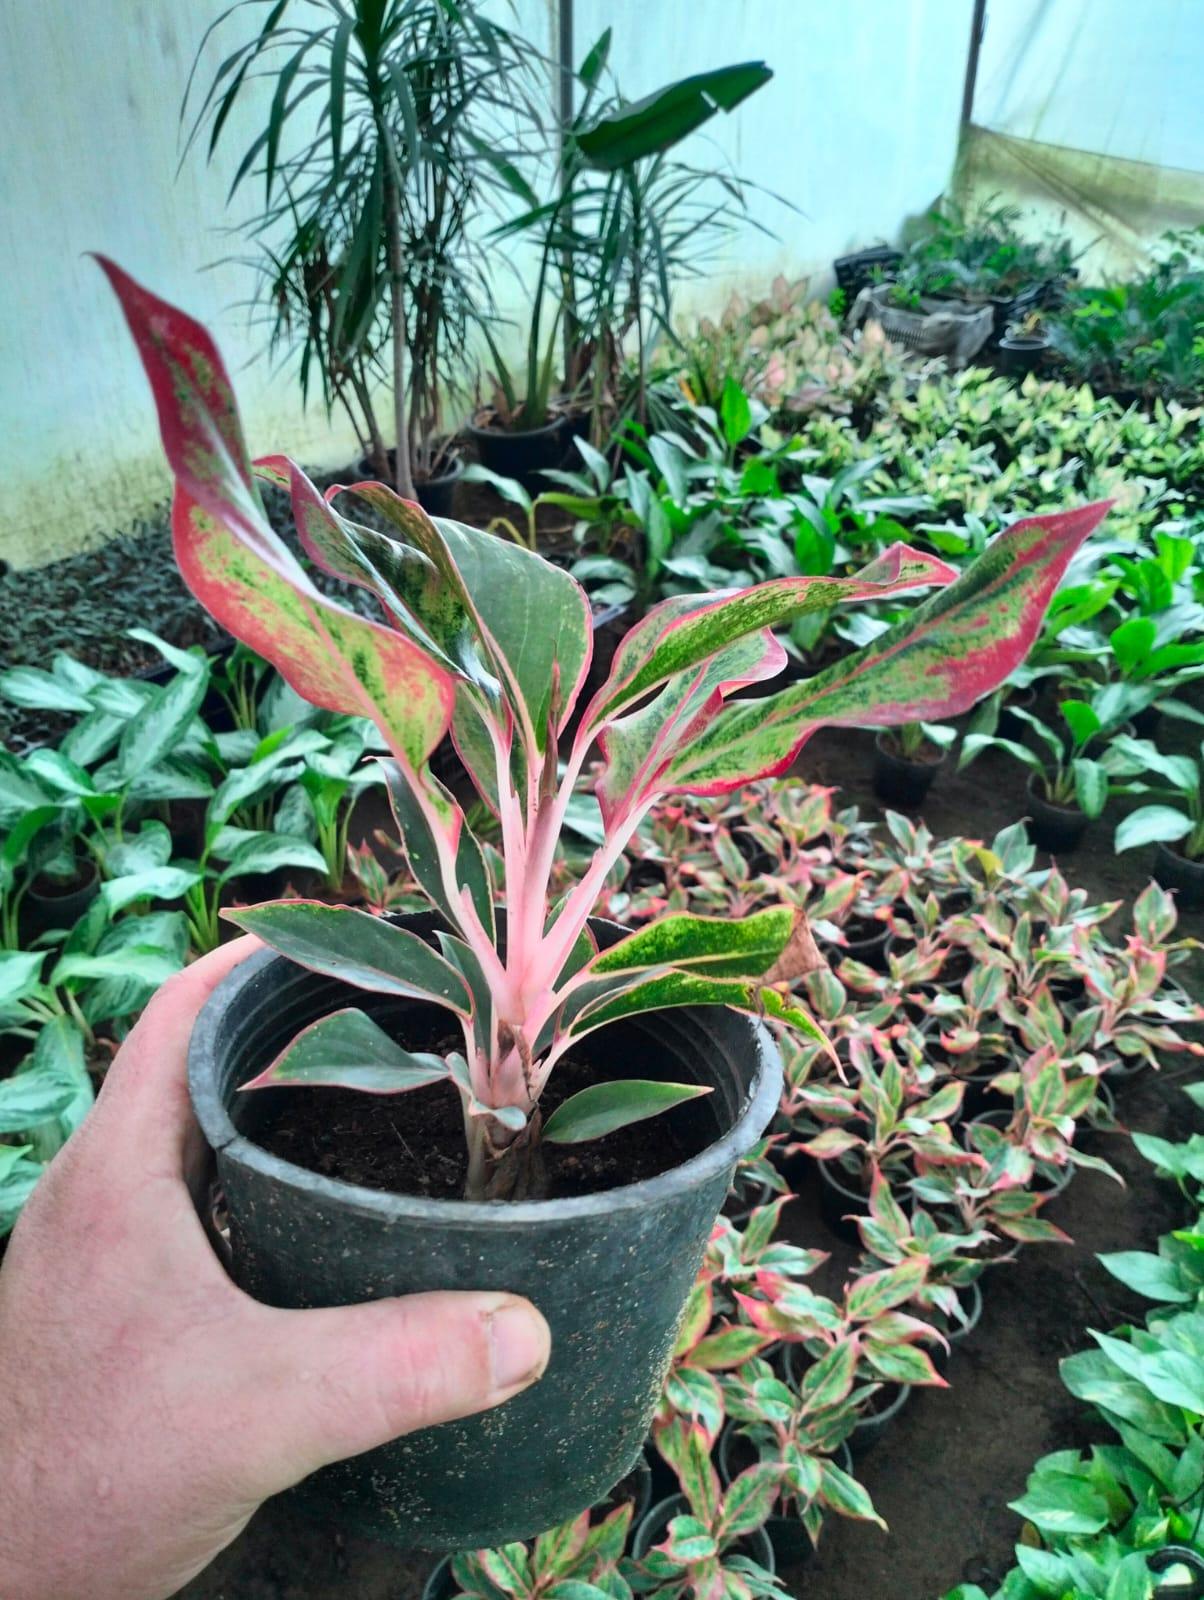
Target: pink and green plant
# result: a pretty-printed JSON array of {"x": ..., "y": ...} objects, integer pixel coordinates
[{"x": 484, "y": 640}]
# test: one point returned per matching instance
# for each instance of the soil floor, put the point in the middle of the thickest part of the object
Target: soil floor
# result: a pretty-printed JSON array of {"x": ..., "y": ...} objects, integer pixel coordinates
[{"x": 943, "y": 1474}]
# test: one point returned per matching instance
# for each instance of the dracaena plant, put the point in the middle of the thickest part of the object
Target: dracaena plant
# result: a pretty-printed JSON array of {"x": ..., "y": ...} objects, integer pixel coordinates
[{"x": 490, "y": 642}]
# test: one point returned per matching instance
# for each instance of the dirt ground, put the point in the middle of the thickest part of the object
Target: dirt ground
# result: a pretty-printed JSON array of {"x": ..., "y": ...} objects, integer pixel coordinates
[{"x": 942, "y": 1476}]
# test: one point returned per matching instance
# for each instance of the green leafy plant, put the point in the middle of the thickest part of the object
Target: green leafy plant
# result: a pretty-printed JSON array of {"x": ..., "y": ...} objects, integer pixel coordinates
[
  {"x": 384, "y": 118},
  {"x": 459, "y": 651},
  {"x": 1069, "y": 775},
  {"x": 1177, "y": 815},
  {"x": 579, "y": 1560}
]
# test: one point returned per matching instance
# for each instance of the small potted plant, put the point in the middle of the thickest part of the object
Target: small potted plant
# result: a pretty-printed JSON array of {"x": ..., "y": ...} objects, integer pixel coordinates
[
  {"x": 1068, "y": 787},
  {"x": 1173, "y": 822},
  {"x": 509, "y": 1019},
  {"x": 907, "y": 759},
  {"x": 1023, "y": 347}
]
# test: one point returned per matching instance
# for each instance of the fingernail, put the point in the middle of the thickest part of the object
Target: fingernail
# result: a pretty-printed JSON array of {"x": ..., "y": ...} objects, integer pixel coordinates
[{"x": 519, "y": 1344}]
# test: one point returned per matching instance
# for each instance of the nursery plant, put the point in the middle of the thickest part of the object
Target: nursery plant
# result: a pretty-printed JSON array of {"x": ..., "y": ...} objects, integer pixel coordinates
[
  {"x": 384, "y": 118},
  {"x": 486, "y": 640}
]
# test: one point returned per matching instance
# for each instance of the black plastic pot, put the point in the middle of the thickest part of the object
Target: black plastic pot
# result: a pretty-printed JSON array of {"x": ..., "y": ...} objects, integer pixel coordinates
[
  {"x": 840, "y": 1204},
  {"x": 899, "y": 781},
  {"x": 865, "y": 941},
  {"x": 522, "y": 455},
  {"x": 1058, "y": 829},
  {"x": 51, "y": 903},
  {"x": 1010, "y": 726},
  {"x": 437, "y": 496},
  {"x": 1019, "y": 354},
  {"x": 1185, "y": 877},
  {"x": 871, "y": 1425},
  {"x": 854, "y": 271},
  {"x": 609, "y": 1271},
  {"x": 655, "y": 1527}
]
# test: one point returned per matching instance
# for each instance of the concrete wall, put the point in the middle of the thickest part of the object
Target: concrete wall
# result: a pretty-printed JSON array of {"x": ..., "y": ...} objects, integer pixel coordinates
[{"x": 857, "y": 131}]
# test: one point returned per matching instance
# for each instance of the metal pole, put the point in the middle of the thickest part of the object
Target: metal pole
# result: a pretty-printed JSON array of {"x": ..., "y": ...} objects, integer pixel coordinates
[{"x": 977, "y": 29}]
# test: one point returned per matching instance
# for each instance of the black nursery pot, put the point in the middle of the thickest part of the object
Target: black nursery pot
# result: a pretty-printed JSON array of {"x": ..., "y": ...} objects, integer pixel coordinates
[
  {"x": 655, "y": 1528},
  {"x": 840, "y": 1204},
  {"x": 522, "y": 455},
  {"x": 609, "y": 1271},
  {"x": 51, "y": 903},
  {"x": 1185, "y": 877},
  {"x": 1058, "y": 829},
  {"x": 437, "y": 496},
  {"x": 898, "y": 781},
  {"x": 1018, "y": 354}
]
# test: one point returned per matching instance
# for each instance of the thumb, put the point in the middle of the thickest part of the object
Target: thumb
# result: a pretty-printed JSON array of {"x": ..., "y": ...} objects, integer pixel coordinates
[{"x": 317, "y": 1386}]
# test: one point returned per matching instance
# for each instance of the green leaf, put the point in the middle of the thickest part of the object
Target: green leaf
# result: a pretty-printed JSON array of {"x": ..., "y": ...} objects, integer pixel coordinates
[
  {"x": 735, "y": 412},
  {"x": 422, "y": 853},
  {"x": 357, "y": 948},
  {"x": 845, "y": 1495},
  {"x": 603, "y": 1107},
  {"x": 162, "y": 724},
  {"x": 19, "y": 971},
  {"x": 1147, "y": 1274},
  {"x": 1058, "y": 1503},
  {"x": 157, "y": 883},
  {"x": 1132, "y": 641},
  {"x": 714, "y": 946},
  {"x": 658, "y": 121},
  {"x": 266, "y": 852},
  {"x": 936, "y": 663},
  {"x": 348, "y": 1050},
  {"x": 34, "y": 689},
  {"x": 749, "y": 1500},
  {"x": 144, "y": 963},
  {"x": 1090, "y": 787},
  {"x": 1150, "y": 825},
  {"x": 1080, "y": 719}
]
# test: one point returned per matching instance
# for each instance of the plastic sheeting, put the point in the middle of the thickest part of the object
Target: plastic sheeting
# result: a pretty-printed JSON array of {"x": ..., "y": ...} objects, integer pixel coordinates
[{"x": 1089, "y": 114}]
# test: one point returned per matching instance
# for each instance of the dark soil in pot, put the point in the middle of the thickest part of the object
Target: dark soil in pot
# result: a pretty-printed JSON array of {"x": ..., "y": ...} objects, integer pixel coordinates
[
  {"x": 1058, "y": 829},
  {"x": 900, "y": 780},
  {"x": 521, "y": 454},
  {"x": 1185, "y": 877},
  {"x": 609, "y": 1270},
  {"x": 865, "y": 941},
  {"x": 655, "y": 1529}
]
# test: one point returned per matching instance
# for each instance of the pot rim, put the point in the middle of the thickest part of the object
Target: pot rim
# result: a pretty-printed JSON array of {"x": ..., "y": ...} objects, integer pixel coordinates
[
  {"x": 224, "y": 1138},
  {"x": 473, "y": 427}
]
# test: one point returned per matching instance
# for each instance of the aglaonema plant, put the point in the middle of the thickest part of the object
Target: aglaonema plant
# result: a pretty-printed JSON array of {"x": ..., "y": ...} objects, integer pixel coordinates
[{"x": 485, "y": 640}]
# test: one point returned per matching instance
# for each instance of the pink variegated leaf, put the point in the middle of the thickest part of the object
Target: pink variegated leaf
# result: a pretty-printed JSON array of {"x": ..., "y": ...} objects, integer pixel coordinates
[
  {"x": 493, "y": 601},
  {"x": 939, "y": 661},
  {"x": 685, "y": 631},
  {"x": 238, "y": 567}
]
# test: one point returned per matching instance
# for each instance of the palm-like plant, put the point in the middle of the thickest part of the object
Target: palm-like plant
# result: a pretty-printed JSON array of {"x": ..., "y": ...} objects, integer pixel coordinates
[{"x": 383, "y": 116}]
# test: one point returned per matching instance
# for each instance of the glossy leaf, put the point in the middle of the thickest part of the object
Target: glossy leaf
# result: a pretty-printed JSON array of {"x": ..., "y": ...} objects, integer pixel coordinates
[
  {"x": 357, "y": 948},
  {"x": 946, "y": 655},
  {"x": 347, "y": 1050},
  {"x": 686, "y": 630},
  {"x": 238, "y": 567},
  {"x": 605, "y": 1107},
  {"x": 663, "y": 118},
  {"x": 714, "y": 946}
]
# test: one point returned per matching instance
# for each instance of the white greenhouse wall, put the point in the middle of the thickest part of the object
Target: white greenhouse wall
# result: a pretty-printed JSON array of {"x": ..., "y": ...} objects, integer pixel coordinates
[{"x": 858, "y": 130}]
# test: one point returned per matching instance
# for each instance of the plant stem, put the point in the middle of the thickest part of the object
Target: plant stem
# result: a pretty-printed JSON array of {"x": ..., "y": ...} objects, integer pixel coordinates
[{"x": 403, "y": 478}]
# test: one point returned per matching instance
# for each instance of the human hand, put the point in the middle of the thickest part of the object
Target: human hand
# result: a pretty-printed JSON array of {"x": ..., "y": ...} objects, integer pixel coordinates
[{"x": 147, "y": 1405}]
